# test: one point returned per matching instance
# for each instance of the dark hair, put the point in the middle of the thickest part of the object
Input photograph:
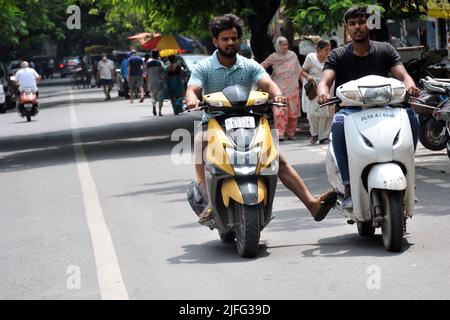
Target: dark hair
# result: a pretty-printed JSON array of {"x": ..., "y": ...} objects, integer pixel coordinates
[
  {"x": 226, "y": 22},
  {"x": 147, "y": 55},
  {"x": 172, "y": 58},
  {"x": 322, "y": 44},
  {"x": 333, "y": 44},
  {"x": 355, "y": 12},
  {"x": 155, "y": 54}
]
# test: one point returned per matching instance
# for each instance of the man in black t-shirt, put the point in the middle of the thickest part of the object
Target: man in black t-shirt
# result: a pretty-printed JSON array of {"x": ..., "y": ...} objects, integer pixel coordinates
[{"x": 361, "y": 57}]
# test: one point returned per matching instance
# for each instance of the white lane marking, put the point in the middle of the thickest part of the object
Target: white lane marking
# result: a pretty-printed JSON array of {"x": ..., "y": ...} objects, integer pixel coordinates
[
  {"x": 109, "y": 275},
  {"x": 433, "y": 181}
]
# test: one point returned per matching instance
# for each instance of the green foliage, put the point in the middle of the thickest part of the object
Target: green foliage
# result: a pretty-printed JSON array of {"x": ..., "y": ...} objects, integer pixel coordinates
[{"x": 320, "y": 17}]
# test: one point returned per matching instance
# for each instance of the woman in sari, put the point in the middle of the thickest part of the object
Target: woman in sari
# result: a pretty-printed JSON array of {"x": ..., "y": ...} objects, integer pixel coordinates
[{"x": 286, "y": 73}]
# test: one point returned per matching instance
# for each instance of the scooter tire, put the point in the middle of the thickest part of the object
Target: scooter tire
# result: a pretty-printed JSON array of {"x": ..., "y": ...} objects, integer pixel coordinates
[
  {"x": 28, "y": 117},
  {"x": 448, "y": 149},
  {"x": 247, "y": 229},
  {"x": 427, "y": 140},
  {"x": 392, "y": 224}
]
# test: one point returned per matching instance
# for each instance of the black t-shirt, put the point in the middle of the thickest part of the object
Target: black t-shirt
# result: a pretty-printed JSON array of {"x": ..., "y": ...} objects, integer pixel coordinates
[{"x": 381, "y": 58}]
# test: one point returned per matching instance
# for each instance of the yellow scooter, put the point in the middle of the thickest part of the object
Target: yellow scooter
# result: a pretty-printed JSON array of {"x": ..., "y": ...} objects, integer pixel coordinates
[{"x": 241, "y": 166}]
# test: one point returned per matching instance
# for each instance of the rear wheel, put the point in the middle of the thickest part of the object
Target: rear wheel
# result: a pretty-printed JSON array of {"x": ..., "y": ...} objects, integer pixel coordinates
[
  {"x": 366, "y": 229},
  {"x": 392, "y": 225},
  {"x": 28, "y": 116},
  {"x": 247, "y": 229},
  {"x": 431, "y": 134}
]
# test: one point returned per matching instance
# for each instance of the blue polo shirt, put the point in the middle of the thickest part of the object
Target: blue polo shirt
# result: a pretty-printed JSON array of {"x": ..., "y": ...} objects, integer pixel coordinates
[
  {"x": 210, "y": 75},
  {"x": 135, "y": 62}
]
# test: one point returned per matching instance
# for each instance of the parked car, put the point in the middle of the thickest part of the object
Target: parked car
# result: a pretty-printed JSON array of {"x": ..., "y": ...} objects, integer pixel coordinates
[
  {"x": 43, "y": 65},
  {"x": 13, "y": 66},
  {"x": 67, "y": 65},
  {"x": 9, "y": 97},
  {"x": 187, "y": 63}
]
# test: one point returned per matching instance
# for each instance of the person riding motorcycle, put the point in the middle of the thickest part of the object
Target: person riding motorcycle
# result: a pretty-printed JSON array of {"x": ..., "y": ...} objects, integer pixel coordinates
[
  {"x": 224, "y": 68},
  {"x": 27, "y": 78},
  {"x": 360, "y": 58}
]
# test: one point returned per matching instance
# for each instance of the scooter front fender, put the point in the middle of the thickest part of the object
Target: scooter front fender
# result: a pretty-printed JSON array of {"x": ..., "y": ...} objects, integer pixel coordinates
[
  {"x": 388, "y": 176},
  {"x": 248, "y": 192}
]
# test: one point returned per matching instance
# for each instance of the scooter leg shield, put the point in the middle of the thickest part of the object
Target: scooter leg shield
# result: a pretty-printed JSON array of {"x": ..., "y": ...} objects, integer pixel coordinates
[{"x": 387, "y": 176}]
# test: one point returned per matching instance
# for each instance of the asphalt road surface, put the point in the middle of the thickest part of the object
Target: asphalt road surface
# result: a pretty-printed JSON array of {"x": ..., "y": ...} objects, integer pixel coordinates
[{"x": 92, "y": 206}]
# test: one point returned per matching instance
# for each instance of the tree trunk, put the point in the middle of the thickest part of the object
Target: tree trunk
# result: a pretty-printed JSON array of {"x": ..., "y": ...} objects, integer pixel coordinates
[{"x": 263, "y": 12}]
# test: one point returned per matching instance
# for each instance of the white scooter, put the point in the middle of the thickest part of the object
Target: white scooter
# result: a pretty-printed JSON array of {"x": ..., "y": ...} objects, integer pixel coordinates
[{"x": 380, "y": 156}]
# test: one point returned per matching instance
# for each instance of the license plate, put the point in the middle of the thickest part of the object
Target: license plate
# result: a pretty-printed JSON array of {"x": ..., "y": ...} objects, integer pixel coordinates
[
  {"x": 239, "y": 122},
  {"x": 28, "y": 106}
]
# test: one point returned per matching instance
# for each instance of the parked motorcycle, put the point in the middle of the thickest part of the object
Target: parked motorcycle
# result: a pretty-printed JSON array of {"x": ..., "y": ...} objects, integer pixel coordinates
[
  {"x": 241, "y": 167},
  {"x": 380, "y": 157},
  {"x": 433, "y": 106}
]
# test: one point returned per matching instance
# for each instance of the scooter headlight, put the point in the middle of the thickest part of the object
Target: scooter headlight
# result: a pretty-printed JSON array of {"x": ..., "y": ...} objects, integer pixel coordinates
[{"x": 376, "y": 95}]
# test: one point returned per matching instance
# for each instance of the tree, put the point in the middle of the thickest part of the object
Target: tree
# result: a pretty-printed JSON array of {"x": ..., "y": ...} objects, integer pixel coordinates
[
  {"x": 322, "y": 16},
  {"x": 191, "y": 17}
]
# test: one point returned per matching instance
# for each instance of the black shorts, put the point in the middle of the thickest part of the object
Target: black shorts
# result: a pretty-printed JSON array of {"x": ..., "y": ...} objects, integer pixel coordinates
[{"x": 105, "y": 82}]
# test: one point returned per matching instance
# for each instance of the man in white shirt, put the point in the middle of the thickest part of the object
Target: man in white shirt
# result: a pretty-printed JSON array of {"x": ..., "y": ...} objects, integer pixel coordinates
[
  {"x": 106, "y": 75},
  {"x": 27, "y": 78}
]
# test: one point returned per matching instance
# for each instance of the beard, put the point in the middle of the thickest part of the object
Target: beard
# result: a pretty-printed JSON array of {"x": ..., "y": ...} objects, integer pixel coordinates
[
  {"x": 230, "y": 53},
  {"x": 361, "y": 40}
]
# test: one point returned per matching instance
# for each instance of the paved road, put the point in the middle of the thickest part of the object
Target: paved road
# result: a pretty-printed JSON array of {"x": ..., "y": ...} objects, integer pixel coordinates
[{"x": 92, "y": 206}]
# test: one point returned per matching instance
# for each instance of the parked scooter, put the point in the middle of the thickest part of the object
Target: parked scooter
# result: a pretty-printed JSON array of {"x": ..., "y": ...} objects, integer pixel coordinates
[
  {"x": 433, "y": 107},
  {"x": 432, "y": 132},
  {"x": 380, "y": 157},
  {"x": 241, "y": 167}
]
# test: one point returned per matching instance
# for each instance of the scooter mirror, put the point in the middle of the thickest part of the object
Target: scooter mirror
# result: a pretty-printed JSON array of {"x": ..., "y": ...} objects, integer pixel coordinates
[{"x": 13, "y": 78}]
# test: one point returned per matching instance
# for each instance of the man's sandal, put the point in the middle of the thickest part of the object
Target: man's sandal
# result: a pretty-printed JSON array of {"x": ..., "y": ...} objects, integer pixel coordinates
[{"x": 324, "y": 204}]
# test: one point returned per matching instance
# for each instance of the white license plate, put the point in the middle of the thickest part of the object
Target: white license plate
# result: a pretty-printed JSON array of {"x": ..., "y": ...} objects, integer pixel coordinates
[
  {"x": 239, "y": 122},
  {"x": 28, "y": 106}
]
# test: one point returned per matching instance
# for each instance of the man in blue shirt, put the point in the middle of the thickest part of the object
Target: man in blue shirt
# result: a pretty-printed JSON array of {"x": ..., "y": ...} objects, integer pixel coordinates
[
  {"x": 135, "y": 75},
  {"x": 224, "y": 68}
]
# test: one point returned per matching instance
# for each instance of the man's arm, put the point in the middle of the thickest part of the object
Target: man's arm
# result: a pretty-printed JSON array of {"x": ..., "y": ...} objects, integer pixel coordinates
[
  {"x": 323, "y": 89},
  {"x": 399, "y": 72},
  {"x": 193, "y": 95},
  {"x": 266, "y": 84}
]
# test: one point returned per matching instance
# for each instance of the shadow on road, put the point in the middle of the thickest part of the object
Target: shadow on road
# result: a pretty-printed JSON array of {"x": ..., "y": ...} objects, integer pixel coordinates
[
  {"x": 352, "y": 245},
  {"x": 214, "y": 252}
]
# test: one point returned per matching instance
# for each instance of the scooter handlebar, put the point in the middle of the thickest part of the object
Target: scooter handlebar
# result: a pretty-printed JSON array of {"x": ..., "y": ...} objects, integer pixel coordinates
[{"x": 333, "y": 100}]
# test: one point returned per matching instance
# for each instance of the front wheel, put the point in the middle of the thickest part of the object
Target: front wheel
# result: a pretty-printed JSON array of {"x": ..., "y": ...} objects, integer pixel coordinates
[
  {"x": 431, "y": 136},
  {"x": 392, "y": 224},
  {"x": 247, "y": 229},
  {"x": 448, "y": 149}
]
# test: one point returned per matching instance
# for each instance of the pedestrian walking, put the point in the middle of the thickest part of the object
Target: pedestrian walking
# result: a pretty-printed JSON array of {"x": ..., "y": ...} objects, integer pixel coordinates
[
  {"x": 286, "y": 73},
  {"x": 174, "y": 84},
  {"x": 105, "y": 74},
  {"x": 136, "y": 75},
  {"x": 319, "y": 118},
  {"x": 155, "y": 81}
]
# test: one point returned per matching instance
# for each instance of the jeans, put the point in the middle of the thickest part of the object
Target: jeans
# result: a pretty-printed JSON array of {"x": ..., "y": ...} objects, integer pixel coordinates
[{"x": 340, "y": 147}]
